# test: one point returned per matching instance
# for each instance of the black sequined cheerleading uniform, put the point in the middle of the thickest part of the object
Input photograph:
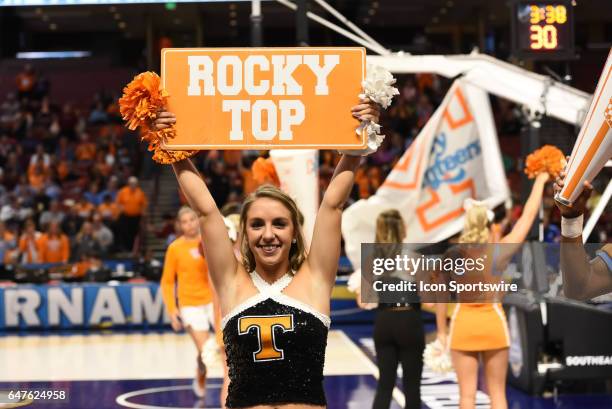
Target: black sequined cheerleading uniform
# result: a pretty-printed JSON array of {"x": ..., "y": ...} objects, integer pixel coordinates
[{"x": 275, "y": 348}]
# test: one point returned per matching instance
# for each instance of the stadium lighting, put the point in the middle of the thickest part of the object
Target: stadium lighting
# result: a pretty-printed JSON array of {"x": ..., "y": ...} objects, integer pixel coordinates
[
  {"x": 19, "y": 3},
  {"x": 36, "y": 55}
]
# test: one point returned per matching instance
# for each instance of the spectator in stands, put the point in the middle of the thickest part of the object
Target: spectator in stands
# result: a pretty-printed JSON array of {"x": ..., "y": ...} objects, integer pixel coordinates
[
  {"x": 102, "y": 234},
  {"x": 40, "y": 156},
  {"x": 23, "y": 190},
  {"x": 23, "y": 125},
  {"x": 12, "y": 170},
  {"x": 86, "y": 150},
  {"x": 132, "y": 205},
  {"x": 72, "y": 222},
  {"x": 85, "y": 242},
  {"x": 64, "y": 150},
  {"x": 98, "y": 114},
  {"x": 109, "y": 210},
  {"x": 53, "y": 214},
  {"x": 68, "y": 121},
  {"x": 28, "y": 249},
  {"x": 52, "y": 188},
  {"x": 53, "y": 246},
  {"x": 7, "y": 242},
  {"x": 26, "y": 80},
  {"x": 43, "y": 118},
  {"x": 9, "y": 110},
  {"x": 38, "y": 175},
  {"x": 92, "y": 195},
  {"x": 13, "y": 213},
  {"x": 103, "y": 166},
  {"x": 111, "y": 188},
  {"x": 84, "y": 208}
]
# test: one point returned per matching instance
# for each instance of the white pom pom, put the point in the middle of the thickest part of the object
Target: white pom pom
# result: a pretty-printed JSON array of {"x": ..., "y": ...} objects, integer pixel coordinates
[
  {"x": 437, "y": 358},
  {"x": 378, "y": 88},
  {"x": 378, "y": 85}
]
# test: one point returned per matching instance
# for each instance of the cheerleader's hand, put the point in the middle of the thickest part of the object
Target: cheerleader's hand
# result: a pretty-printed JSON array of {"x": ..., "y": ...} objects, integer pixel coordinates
[
  {"x": 175, "y": 321},
  {"x": 442, "y": 339},
  {"x": 577, "y": 208},
  {"x": 164, "y": 120},
  {"x": 368, "y": 112}
]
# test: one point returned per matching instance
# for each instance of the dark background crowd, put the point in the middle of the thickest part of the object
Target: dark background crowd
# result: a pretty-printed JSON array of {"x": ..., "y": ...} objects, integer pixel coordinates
[{"x": 75, "y": 184}]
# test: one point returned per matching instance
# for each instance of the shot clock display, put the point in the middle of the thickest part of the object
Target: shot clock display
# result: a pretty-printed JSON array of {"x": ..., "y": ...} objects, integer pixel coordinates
[{"x": 543, "y": 29}]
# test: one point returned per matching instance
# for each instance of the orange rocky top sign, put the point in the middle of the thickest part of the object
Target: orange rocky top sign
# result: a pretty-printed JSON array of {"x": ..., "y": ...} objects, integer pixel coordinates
[{"x": 264, "y": 98}]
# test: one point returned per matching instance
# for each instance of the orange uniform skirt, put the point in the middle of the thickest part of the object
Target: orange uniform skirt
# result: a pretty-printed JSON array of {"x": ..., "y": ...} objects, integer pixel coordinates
[{"x": 478, "y": 327}]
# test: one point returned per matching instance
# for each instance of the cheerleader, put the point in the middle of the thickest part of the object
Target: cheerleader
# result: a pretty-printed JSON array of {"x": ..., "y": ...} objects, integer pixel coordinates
[
  {"x": 399, "y": 335},
  {"x": 185, "y": 278},
  {"x": 479, "y": 330},
  {"x": 275, "y": 302}
]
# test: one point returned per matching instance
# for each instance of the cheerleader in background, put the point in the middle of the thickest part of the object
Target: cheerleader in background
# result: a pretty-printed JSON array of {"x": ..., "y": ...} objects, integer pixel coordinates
[
  {"x": 186, "y": 270},
  {"x": 399, "y": 335},
  {"x": 479, "y": 330}
]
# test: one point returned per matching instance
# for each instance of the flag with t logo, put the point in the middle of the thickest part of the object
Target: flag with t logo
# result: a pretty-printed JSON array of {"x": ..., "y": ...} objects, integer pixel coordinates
[{"x": 454, "y": 157}]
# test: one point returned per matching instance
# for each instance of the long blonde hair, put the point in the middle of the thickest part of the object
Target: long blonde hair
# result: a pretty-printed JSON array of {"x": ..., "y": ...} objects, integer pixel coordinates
[
  {"x": 476, "y": 227},
  {"x": 297, "y": 253},
  {"x": 390, "y": 231},
  {"x": 390, "y": 227}
]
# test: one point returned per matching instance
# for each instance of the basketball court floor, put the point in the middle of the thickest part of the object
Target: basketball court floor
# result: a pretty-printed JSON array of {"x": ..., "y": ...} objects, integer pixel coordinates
[{"x": 155, "y": 369}]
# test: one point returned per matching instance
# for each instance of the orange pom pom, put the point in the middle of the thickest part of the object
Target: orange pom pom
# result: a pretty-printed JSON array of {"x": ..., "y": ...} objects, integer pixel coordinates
[
  {"x": 142, "y": 99},
  {"x": 548, "y": 159},
  {"x": 265, "y": 172}
]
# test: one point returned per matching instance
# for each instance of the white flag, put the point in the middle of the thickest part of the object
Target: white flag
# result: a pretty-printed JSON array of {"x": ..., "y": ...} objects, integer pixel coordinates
[
  {"x": 298, "y": 172},
  {"x": 455, "y": 156}
]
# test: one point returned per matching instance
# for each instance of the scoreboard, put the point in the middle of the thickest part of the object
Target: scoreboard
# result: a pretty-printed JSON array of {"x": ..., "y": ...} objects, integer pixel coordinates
[{"x": 543, "y": 29}]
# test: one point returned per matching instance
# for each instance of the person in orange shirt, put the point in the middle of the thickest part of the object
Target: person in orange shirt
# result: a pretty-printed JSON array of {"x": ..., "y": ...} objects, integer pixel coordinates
[
  {"x": 85, "y": 150},
  {"x": 108, "y": 209},
  {"x": 132, "y": 204},
  {"x": 185, "y": 264},
  {"x": 84, "y": 208},
  {"x": 53, "y": 246},
  {"x": 26, "y": 80},
  {"x": 28, "y": 243},
  {"x": 37, "y": 175}
]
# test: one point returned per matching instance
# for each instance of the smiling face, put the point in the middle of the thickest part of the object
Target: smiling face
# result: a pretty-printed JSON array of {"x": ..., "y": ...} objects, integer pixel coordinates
[{"x": 269, "y": 232}]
